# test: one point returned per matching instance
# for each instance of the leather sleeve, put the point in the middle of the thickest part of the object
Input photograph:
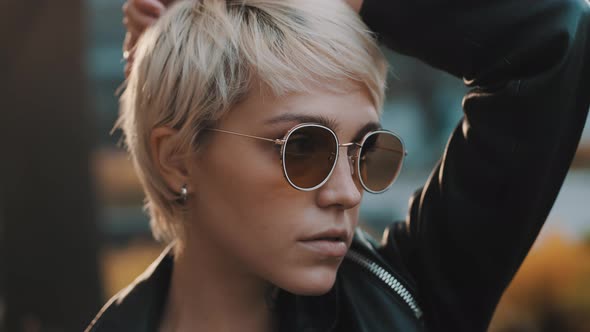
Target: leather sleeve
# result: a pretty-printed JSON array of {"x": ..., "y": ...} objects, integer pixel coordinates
[{"x": 527, "y": 63}]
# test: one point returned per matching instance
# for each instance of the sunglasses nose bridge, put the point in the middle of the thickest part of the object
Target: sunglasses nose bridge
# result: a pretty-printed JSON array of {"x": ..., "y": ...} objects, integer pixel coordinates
[
  {"x": 351, "y": 162},
  {"x": 350, "y": 154}
]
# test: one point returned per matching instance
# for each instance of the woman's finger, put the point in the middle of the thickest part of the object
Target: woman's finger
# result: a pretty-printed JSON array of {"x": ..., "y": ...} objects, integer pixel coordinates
[
  {"x": 355, "y": 4},
  {"x": 133, "y": 32},
  {"x": 136, "y": 20},
  {"x": 129, "y": 52},
  {"x": 153, "y": 8},
  {"x": 129, "y": 44},
  {"x": 167, "y": 3},
  {"x": 137, "y": 16}
]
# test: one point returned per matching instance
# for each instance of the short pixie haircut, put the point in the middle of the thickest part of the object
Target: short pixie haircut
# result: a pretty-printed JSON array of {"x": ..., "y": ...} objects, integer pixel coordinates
[{"x": 203, "y": 57}]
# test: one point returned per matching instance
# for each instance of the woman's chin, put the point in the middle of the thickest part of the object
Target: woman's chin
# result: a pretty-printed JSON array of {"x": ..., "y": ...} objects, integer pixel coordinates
[{"x": 311, "y": 281}]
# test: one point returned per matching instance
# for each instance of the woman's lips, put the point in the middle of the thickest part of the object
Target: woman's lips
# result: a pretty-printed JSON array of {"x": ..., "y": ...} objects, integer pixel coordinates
[{"x": 326, "y": 247}]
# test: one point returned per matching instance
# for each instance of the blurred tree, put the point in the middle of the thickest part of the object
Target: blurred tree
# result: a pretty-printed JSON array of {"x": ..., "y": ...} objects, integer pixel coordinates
[
  {"x": 550, "y": 292},
  {"x": 49, "y": 270}
]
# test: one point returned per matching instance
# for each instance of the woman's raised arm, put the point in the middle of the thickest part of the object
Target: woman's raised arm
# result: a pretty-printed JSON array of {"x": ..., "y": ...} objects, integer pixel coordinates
[{"x": 528, "y": 65}]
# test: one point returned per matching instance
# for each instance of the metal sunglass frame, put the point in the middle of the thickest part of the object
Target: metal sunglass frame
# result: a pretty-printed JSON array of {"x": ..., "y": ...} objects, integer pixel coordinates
[{"x": 355, "y": 159}]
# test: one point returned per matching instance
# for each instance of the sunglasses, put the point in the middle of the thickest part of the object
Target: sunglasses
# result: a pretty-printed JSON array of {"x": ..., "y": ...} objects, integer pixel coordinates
[{"x": 309, "y": 153}]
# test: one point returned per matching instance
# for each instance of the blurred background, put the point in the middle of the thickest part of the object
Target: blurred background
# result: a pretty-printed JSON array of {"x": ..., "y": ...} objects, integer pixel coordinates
[{"x": 72, "y": 228}]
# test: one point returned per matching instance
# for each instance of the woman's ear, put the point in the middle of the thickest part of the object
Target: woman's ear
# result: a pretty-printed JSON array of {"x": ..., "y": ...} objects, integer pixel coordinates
[{"x": 172, "y": 164}]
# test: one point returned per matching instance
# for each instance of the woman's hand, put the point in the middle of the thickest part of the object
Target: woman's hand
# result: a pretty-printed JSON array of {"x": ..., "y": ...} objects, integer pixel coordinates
[
  {"x": 137, "y": 16},
  {"x": 140, "y": 14}
]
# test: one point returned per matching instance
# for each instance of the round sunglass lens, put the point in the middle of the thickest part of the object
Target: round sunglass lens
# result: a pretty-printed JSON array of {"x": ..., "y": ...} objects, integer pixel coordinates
[
  {"x": 380, "y": 161},
  {"x": 309, "y": 156}
]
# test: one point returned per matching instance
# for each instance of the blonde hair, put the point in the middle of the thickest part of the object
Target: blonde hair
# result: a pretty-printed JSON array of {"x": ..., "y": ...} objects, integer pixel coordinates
[{"x": 202, "y": 57}]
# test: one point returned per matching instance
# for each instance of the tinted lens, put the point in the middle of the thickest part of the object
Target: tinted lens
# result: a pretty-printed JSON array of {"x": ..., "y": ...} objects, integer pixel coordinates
[
  {"x": 380, "y": 160},
  {"x": 309, "y": 156}
]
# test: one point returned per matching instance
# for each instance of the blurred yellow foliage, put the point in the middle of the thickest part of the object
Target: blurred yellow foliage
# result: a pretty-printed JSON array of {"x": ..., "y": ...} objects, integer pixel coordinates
[
  {"x": 121, "y": 265},
  {"x": 551, "y": 291}
]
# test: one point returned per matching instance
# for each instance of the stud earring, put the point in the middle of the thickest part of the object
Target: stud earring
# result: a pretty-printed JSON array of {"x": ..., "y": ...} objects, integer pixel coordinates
[{"x": 183, "y": 193}]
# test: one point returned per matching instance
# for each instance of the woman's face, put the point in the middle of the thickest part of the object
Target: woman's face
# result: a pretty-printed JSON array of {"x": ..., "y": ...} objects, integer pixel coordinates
[{"x": 248, "y": 213}]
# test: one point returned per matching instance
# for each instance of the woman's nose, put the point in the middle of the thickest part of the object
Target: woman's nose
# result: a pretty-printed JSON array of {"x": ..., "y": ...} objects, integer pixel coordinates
[{"x": 341, "y": 189}]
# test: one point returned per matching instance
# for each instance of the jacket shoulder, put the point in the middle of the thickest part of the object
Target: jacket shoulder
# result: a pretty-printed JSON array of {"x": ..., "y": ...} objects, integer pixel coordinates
[
  {"x": 108, "y": 317},
  {"x": 138, "y": 306}
]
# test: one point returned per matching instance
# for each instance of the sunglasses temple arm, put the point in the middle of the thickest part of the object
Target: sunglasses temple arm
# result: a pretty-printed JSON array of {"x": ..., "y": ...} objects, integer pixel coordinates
[
  {"x": 392, "y": 150},
  {"x": 276, "y": 141},
  {"x": 378, "y": 147}
]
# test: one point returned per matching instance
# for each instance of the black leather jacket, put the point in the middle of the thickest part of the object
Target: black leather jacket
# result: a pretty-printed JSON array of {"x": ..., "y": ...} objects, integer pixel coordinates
[{"x": 469, "y": 228}]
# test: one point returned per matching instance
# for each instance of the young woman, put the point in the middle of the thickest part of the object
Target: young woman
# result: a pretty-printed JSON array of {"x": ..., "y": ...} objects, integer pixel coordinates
[{"x": 254, "y": 127}]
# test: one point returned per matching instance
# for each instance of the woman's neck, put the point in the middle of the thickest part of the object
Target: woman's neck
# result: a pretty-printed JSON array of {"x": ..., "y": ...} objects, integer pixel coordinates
[{"x": 210, "y": 293}]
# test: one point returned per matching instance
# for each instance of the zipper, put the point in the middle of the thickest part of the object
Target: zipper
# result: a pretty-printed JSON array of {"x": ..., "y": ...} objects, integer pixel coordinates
[{"x": 392, "y": 282}]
